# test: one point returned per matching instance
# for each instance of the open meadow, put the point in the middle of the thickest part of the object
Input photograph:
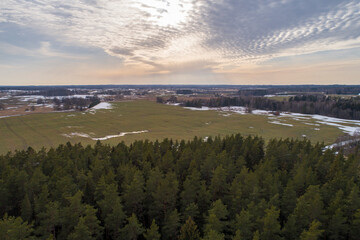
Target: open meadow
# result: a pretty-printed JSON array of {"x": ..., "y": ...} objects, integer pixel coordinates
[{"x": 133, "y": 120}]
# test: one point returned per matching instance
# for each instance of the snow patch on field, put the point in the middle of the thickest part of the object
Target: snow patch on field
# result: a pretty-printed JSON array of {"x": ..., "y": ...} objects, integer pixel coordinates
[
  {"x": 103, "y": 105},
  {"x": 335, "y": 120},
  {"x": 12, "y": 115},
  {"x": 199, "y": 109},
  {"x": 261, "y": 112},
  {"x": 312, "y": 124},
  {"x": 346, "y": 125},
  {"x": 340, "y": 144},
  {"x": 85, "y": 135},
  {"x": 346, "y": 129},
  {"x": 280, "y": 123}
]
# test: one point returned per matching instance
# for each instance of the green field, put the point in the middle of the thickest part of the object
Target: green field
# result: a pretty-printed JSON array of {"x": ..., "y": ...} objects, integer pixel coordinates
[{"x": 162, "y": 121}]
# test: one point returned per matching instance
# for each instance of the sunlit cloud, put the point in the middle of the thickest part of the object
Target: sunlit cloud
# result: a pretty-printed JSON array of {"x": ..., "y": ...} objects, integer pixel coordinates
[{"x": 167, "y": 37}]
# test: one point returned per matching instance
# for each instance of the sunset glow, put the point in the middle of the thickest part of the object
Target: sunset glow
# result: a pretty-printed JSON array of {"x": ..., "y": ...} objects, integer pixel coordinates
[{"x": 179, "y": 42}]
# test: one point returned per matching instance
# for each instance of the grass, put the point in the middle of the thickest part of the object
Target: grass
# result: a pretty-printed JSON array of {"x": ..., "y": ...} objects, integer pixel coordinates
[{"x": 162, "y": 121}]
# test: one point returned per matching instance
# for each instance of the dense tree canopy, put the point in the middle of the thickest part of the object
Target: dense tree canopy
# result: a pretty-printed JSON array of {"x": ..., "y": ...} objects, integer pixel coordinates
[{"x": 223, "y": 188}]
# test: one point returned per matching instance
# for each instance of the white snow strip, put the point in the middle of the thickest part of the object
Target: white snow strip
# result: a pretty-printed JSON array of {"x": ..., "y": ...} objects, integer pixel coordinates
[
  {"x": 280, "y": 123},
  {"x": 347, "y": 129},
  {"x": 312, "y": 124},
  {"x": 261, "y": 112},
  {"x": 340, "y": 144},
  {"x": 7, "y": 116},
  {"x": 335, "y": 120},
  {"x": 85, "y": 135},
  {"x": 200, "y": 109},
  {"x": 103, "y": 105}
]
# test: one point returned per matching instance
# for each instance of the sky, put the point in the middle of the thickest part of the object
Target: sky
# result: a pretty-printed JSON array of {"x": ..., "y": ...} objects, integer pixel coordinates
[{"x": 67, "y": 42}]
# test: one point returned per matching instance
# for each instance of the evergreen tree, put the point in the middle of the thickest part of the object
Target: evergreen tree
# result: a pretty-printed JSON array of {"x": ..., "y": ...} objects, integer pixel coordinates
[
  {"x": 12, "y": 228},
  {"x": 313, "y": 233},
  {"x": 132, "y": 229},
  {"x": 271, "y": 225},
  {"x": 354, "y": 226},
  {"x": 50, "y": 220},
  {"x": 218, "y": 186},
  {"x": 72, "y": 213},
  {"x": 165, "y": 197},
  {"x": 134, "y": 195},
  {"x": 256, "y": 235},
  {"x": 92, "y": 222},
  {"x": 171, "y": 225},
  {"x": 189, "y": 231},
  {"x": 244, "y": 225},
  {"x": 308, "y": 208},
  {"x": 337, "y": 226},
  {"x": 191, "y": 210},
  {"x": 26, "y": 209},
  {"x": 153, "y": 232},
  {"x": 81, "y": 231},
  {"x": 217, "y": 217},
  {"x": 288, "y": 200},
  {"x": 213, "y": 235},
  {"x": 112, "y": 212}
]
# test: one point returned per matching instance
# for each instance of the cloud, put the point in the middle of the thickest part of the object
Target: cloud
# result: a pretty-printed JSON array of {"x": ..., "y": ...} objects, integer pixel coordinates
[
  {"x": 122, "y": 51},
  {"x": 159, "y": 34},
  {"x": 45, "y": 50}
]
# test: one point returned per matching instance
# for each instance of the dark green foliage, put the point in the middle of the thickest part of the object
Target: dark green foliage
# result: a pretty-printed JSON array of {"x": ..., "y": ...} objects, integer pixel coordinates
[
  {"x": 271, "y": 225},
  {"x": 225, "y": 188},
  {"x": 189, "y": 231},
  {"x": 153, "y": 232},
  {"x": 217, "y": 218},
  {"x": 171, "y": 225},
  {"x": 12, "y": 228},
  {"x": 132, "y": 229},
  {"x": 313, "y": 233}
]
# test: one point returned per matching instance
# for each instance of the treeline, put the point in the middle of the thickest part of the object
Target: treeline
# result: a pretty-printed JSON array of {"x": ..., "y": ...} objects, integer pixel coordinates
[
  {"x": 348, "y": 108},
  {"x": 50, "y": 92},
  {"x": 297, "y": 89},
  {"x": 222, "y": 188},
  {"x": 75, "y": 103},
  {"x": 184, "y": 91}
]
